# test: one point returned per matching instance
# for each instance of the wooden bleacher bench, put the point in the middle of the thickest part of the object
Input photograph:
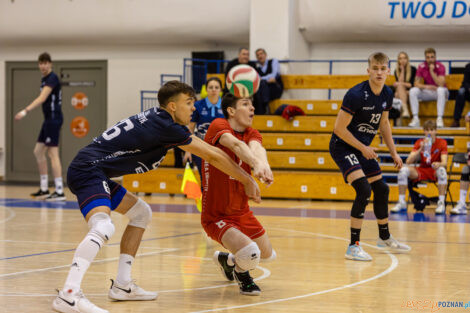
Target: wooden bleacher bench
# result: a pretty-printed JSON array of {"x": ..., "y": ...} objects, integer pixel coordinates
[
  {"x": 287, "y": 184},
  {"x": 453, "y": 81}
]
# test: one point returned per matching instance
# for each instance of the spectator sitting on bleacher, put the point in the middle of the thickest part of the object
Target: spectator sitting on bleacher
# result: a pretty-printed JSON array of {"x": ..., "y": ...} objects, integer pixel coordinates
[
  {"x": 462, "y": 95},
  {"x": 271, "y": 86},
  {"x": 432, "y": 153},
  {"x": 243, "y": 58},
  {"x": 405, "y": 76},
  {"x": 429, "y": 85}
]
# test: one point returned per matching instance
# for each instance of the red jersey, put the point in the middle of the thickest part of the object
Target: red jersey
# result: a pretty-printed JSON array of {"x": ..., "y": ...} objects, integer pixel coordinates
[
  {"x": 438, "y": 148},
  {"x": 223, "y": 195}
]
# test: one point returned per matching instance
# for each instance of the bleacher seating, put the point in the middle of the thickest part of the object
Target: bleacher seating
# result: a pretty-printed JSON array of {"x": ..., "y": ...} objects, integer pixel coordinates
[{"x": 298, "y": 149}]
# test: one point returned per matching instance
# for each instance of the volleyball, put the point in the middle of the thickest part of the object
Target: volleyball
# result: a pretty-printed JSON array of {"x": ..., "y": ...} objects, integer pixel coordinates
[{"x": 243, "y": 81}]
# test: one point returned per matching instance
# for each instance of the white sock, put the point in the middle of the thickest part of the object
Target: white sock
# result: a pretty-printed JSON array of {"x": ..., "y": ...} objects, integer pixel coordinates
[
  {"x": 401, "y": 198},
  {"x": 59, "y": 187},
  {"x": 124, "y": 269},
  {"x": 44, "y": 184},
  {"x": 442, "y": 198},
  {"x": 463, "y": 196},
  {"x": 77, "y": 271},
  {"x": 231, "y": 259},
  {"x": 84, "y": 255}
]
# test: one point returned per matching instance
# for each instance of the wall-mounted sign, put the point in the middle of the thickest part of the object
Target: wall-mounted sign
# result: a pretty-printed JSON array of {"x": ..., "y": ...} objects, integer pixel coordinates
[
  {"x": 79, "y": 100},
  {"x": 79, "y": 126}
]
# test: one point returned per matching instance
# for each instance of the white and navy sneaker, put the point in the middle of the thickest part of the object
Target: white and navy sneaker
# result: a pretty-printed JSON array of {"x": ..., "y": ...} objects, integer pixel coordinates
[
  {"x": 130, "y": 291},
  {"x": 40, "y": 194},
  {"x": 441, "y": 207},
  {"x": 399, "y": 207},
  {"x": 459, "y": 209},
  {"x": 393, "y": 245},
  {"x": 56, "y": 197},
  {"x": 220, "y": 259},
  {"x": 356, "y": 253},
  {"x": 414, "y": 122},
  {"x": 73, "y": 303},
  {"x": 246, "y": 284}
]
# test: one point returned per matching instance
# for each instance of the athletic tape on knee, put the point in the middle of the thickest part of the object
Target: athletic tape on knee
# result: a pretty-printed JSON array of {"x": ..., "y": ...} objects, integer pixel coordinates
[
  {"x": 403, "y": 175},
  {"x": 441, "y": 174},
  {"x": 247, "y": 258},
  {"x": 271, "y": 258},
  {"x": 102, "y": 226},
  {"x": 363, "y": 192},
  {"x": 465, "y": 173},
  {"x": 140, "y": 214},
  {"x": 381, "y": 192}
]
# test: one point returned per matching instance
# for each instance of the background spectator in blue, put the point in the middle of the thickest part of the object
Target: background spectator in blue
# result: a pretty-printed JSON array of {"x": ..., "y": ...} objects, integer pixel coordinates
[
  {"x": 206, "y": 111},
  {"x": 462, "y": 95},
  {"x": 271, "y": 86}
]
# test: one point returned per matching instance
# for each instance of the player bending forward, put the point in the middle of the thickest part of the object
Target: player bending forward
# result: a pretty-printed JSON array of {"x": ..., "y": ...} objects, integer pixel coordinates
[{"x": 226, "y": 216}]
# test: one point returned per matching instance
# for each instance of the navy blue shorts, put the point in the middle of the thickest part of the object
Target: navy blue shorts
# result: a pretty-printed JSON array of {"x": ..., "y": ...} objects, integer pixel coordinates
[
  {"x": 50, "y": 132},
  {"x": 93, "y": 188},
  {"x": 350, "y": 159}
]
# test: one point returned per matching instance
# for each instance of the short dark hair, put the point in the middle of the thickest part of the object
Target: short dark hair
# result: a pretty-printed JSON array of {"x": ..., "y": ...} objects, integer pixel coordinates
[
  {"x": 214, "y": 78},
  {"x": 379, "y": 57},
  {"x": 429, "y": 124},
  {"x": 430, "y": 50},
  {"x": 229, "y": 100},
  {"x": 260, "y": 49},
  {"x": 44, "y": 57},
  {"x": 243, "y": 48},
  {"x": 170, "y": 90}
]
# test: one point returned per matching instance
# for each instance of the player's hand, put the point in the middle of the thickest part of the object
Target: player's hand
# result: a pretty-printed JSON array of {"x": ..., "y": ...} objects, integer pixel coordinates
[
  {"x": 263, "y": 173},
  {"x": 252, "y": 190},
  {"x": 431, "y": 67},
  {"x": 397, "y": 161},
  {"x": 20, "y": 115},
  {"x": 187, "y": 157},
  {"x": 435, "y": 165},
  {"x": 369, "y": 152}
]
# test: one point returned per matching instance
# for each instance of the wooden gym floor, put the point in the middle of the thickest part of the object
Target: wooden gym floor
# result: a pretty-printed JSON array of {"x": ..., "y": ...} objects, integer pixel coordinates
[{"x": 37, "y": 242}]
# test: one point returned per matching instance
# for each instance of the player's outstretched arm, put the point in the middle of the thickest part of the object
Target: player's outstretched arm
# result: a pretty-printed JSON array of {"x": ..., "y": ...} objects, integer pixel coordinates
[
  {"x": 246, "y": 154},
  {"x": 45, "y": 92},
  {"x": 386, "y": 132},
  {"x": 223, "y": 162},
  {"x": 259, "y": 152},
  {"x": 342, "y": 121}
]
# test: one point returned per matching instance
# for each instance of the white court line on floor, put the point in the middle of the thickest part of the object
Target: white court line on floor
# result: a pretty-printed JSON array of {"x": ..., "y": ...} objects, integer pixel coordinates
[
  {"x": 11, "y": 212},
  {"x": 97, "y": 261},
  {"x": 392, "y": 266},
  {"x": 39, "y": 242}
]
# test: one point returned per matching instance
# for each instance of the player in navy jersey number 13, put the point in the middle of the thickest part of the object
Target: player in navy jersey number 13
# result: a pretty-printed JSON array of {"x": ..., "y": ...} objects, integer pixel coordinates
[
  {"x": 134, "y": 145},
  {"x": 365, "y": 110},
  {"x": 48, "y": 141}
]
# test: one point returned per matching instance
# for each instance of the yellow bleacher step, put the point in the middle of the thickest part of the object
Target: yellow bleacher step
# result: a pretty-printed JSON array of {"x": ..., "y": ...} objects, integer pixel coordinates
[
  {"x": 331, "y": 107},
  {"x": 287, "y": 184},
  {"x": 276, "y": 123}
]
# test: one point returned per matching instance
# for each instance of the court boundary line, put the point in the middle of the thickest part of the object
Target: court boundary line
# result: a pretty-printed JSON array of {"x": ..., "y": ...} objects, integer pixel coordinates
[
  {"x": 12, "y": 214},
  {"x": 392, "y": 267}
]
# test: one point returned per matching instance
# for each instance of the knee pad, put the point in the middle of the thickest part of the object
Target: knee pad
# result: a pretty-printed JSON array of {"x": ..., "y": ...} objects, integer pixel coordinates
[
  {"x": 140, "y": 214},
  {"x": 271, "y": 258},
  {"x": 403, "y": 175},
  {"x": 363, "y": 192},
  {"x": 247, "y": 258},
  {"x": 101, "y": 227},
  {"x": 441, "y": 174},
  {"x": 381, "y": 191},
  {"x": 465, "y": 173}
]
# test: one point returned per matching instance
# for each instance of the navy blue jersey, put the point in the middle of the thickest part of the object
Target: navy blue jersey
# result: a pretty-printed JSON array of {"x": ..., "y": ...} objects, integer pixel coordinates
[
  {"x": 52, "y": 107},
  {"x": 204, "y": 114},
  {"x": 134, "y": 145},
  {"x": 366, "y": 109}
]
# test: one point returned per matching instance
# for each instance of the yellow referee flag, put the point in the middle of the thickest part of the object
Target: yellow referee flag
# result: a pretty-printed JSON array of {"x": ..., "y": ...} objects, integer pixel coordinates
[{"x": 190, "y": 187}]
